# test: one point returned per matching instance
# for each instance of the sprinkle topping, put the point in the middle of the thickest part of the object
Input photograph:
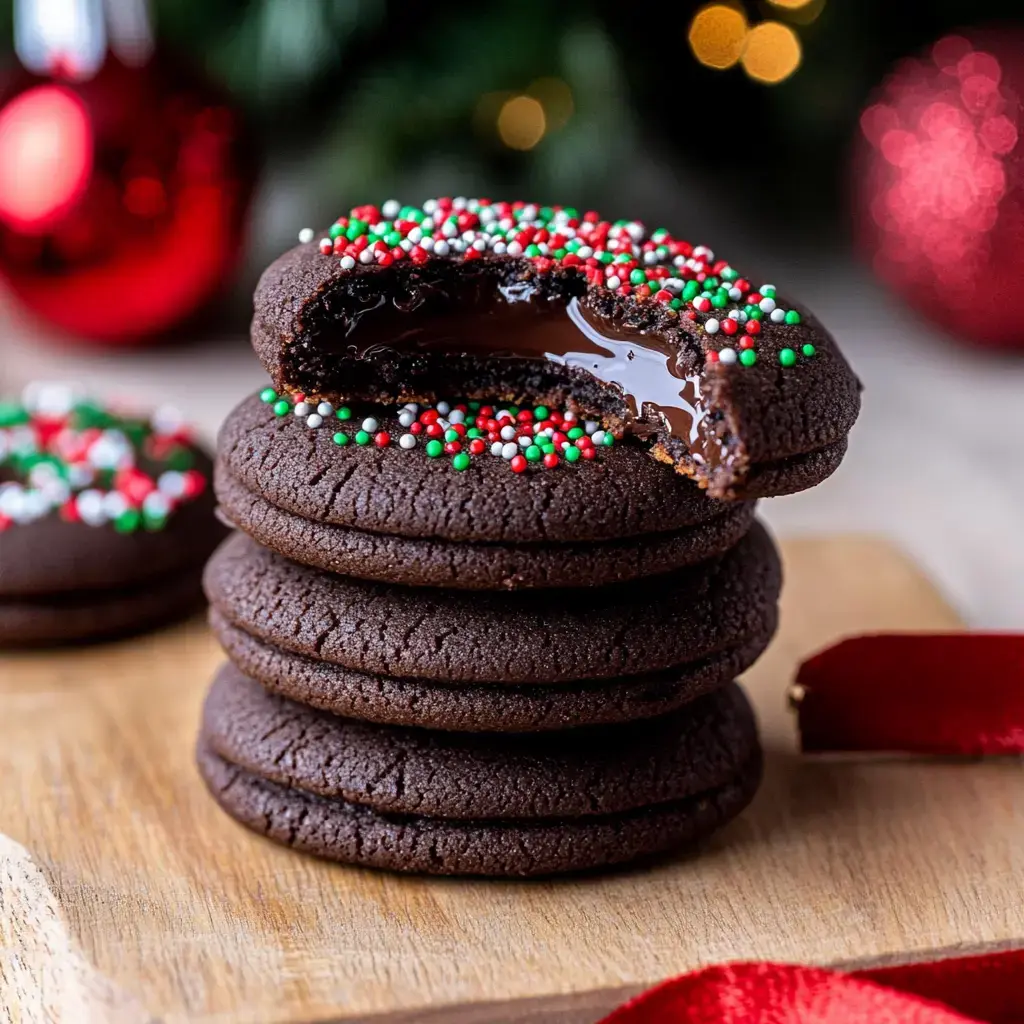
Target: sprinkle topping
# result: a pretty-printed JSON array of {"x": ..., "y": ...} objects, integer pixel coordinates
[
  {"x": 621, "y": 257},
  {"x": 60, "y": 452},
  {"x": 521, "y": 436}
]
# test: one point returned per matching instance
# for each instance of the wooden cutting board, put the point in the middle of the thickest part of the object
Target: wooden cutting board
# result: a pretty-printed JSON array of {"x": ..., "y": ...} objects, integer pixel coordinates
[{"x": 126, "y": 895}]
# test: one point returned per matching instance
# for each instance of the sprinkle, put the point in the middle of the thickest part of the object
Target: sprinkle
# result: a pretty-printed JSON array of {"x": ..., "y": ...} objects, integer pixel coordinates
[
  {"x": 460, "y": 462},
  {"x": 808, "y": 350},
  {"x": 302, "y": 409},
  {"x": 434, "y": 449},
  {"x": 509, "y": 450},
  {"x": 728, "y": 356},
  {"x": 341, "y": 439},
  {"x": 306, "y": 236},
  {"x": 518, "y": 464},
  {"x": 325, "y": 409},
  {"x": 382, "y": 439},
  {"x": 268, "y": 395},
  {"x": 787, "y": 357},
  {"x": 711, "y": 325},
  {"x": 362, "y": 437},
  {"x": 748, "y": 357},
  {"x": 281, "y": 407},
  {"x": 370, "y": 424},
  {"x": 344, "y": 413},
  {"x": 314, "y": 420},
  {"x": 407, "y": 441},
  {"x": 778, "y": 315},
  {"x": 792, "y": 317}
]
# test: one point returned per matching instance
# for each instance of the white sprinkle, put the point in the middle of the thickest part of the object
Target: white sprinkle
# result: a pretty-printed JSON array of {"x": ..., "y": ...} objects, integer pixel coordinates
[
  {"x": 528, "y": 212},
  {"x": 407, "y": 441},
  {"x": 390, "y": 209},
  {"x": 590, "y": 426},
  {"x": 612, "y": 282},
  {"x": 325, "y": 408},
  {"x": 711, "y": 325},
  {"x": 314, "y": 421},
  {"x": 727, "y": 356},
  {"x": 412, "y": 407},
  {"x": 366, "y": 256},
  {"x": 369, "y": 425},
  {"x": 585, "y": 252},
  {"x": 456, "y": 416},
  {"x": 443, "y": 408},
  {"x": 509, "y": 450},
  {"x": 525, "y": 441},
  {"x": 306, "y": 235},
  {"x": 427, "y": 224},
  {"x": 347, "y": 262},
  {"x": 430, "y": 206},
  {"x": 735, "y": 294},
  {"x": 90, "y": 508},
  {"x": 114, "y": 504},
  {"x": 449, "y": 230},
  {"x": 427, "y": 244},
  {"x": 406, "y": 418},
  {"x": 405, "y": 245},
  {"x": 441, "y": 248},
  {"x": 171, "y": 483},
  {"x": 496, "y": 448},
  {"x": 167, "y": 419},
  {"x": 767, "y": 305},
  {"x": 635, "y": 231},
  {"x": 415, "y": 234},
  {"x": 597, "y": 437},
  {"x": 500, "y": 248},
  {"x": 734, "y": 314},
  {"x": 459, "y": 203},
  {"x": 778, "y": 315},
  {"x": 514, "y": 249},
  {"x": 569, "y": 417},
  {"x": 156, "y": 505},
  {"x": 508, "y": 433},
  {"x": 765, "y": 288},
  {"x": 303, "y": 408},
  {"x": 650, "y": 258}
]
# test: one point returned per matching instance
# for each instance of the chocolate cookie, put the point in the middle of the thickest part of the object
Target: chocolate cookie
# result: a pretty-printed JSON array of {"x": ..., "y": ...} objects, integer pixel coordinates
[
  {"x": 619, "y": 494},
  {"x": 105, "y": 519},
  {"x": 522, "y": 637},
  {"x": 481, "y": 708},
  {"x": 463, "y": 775},
  {"x": 423, "y": 562},
  {"x": 727, "y": 381},
  {"x": 354, "y": 834}
]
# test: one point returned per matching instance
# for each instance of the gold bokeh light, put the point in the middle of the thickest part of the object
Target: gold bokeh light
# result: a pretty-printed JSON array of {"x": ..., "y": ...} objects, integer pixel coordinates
[
  {"x": 716, "y": 35},
  {"x": 791, "y": 5},
  {"x": 771, "y": 52},
  {"x": 521, "y": 122}
]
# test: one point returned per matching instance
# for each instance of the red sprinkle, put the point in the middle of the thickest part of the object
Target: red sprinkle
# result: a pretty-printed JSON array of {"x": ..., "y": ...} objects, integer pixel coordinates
[
  {"x": 382, "y": 439},
  {"x": 551, "y": 460},
  {"x": 518, "y": 463}
]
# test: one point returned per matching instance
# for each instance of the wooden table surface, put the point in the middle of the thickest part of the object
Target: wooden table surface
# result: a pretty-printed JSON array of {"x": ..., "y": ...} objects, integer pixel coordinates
[{"x": 126, "y": 895}]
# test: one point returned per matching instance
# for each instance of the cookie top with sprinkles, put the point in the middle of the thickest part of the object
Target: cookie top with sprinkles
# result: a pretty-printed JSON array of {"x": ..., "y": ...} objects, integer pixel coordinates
[
  {"x": 64, "y": 454},
  {"x": 639, "y": 329}
]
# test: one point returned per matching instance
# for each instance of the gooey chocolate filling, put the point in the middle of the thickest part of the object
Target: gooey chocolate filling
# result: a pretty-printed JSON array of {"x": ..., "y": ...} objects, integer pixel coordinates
[{"x": 509, "y": 341}]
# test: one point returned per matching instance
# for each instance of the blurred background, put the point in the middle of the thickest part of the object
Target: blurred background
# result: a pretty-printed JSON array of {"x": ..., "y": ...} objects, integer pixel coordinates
[{"x": 865, "y": 155}]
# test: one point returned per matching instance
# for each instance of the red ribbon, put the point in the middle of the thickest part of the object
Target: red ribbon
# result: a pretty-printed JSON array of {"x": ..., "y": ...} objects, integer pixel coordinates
[
  {"x": 960, "y": 694},
  {"x": 973, "y": 990}
]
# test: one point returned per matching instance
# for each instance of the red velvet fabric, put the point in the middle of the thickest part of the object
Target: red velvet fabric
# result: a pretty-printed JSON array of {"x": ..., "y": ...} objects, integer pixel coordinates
[{"x": 988, "y": 989}]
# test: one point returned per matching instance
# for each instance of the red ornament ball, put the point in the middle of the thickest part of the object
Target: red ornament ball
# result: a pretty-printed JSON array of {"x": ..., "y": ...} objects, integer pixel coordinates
[
  {"x": 939, "y": 194},
  {"x": 123, "y": 197}
]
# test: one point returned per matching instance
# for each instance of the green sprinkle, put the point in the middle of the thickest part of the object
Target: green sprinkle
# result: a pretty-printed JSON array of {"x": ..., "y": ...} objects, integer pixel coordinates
[
  {"x": 362, "y": 437},
  {"x": 541, "y": 412},
  {"x": 792, "y": 317},
  {"x": 787, "y": 357},
  {"x": 336, "y": 229},
  {"x": 547, "y": 449},
  {"x": 675, "y": 304},
  {"x": 474, "y": 432},
  {"x": 769, "y": 292},
  {"x": 624, "y": 258},
  {"x": 559, "y": 253},
  {"x": 474, "y": 406},
  {"x": 392, "y": 238},
  {"x": 180, "y": 458},
  {"x": 435, "y": 448},
  {"x": 605, "y": 257},
  {"x": 532, "y": 250},
  {"x": 268, "y": 395},
  {"x": 128, "y": 521},
  {"x": 572, "y": 453},
  {"x": 575, "y": 433},
  {"x": 756, "y": 314},
  {"x": 808, "y": 350},
  {"x": 460, "y": 462},
  {"x": 281, "y": 407},
  {"x": 719, "y": 301},
  {"x": 153, "y": 523},
  {"x": 609, "y": 440},
  {"x": 451, "y": 434},
  {"x": 533, "y": 453},
  {"x": 637, "y": 276},
  {"x": 690, "y": 291},
  {"x": 344, "y": 413},
  {"x": 512, "y": 410},
  {"x": 748, "y": 357},
  {"x": 341, "y": 439}
]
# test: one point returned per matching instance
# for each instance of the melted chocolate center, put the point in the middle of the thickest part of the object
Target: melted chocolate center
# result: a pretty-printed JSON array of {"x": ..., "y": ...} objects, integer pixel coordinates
[{"x": 645, "y": 367}]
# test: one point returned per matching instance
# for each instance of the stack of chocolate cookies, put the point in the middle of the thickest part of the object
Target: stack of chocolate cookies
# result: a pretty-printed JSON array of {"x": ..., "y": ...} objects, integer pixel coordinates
[{"x": 498, "y": 567}]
